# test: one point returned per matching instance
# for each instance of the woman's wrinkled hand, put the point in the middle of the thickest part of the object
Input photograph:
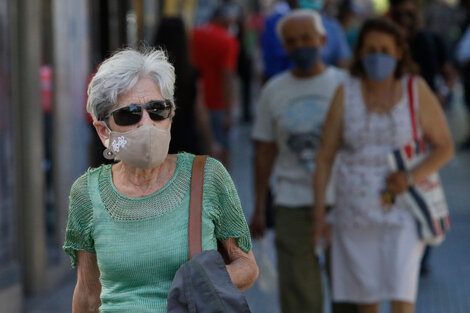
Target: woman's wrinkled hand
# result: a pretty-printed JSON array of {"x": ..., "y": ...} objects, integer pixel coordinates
[{"x": 397, "y": 183}]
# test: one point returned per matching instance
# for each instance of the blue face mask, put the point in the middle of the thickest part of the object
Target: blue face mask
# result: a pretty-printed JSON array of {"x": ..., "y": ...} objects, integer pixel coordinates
[
  {"x": 316, "y": 5},
  {"x": 379, "y": 66},
  {"x": 304, "y": 58}
]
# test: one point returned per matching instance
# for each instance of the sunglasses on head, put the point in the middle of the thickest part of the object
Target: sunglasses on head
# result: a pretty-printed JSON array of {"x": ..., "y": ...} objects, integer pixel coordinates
[{"x": 158, "y": 110}]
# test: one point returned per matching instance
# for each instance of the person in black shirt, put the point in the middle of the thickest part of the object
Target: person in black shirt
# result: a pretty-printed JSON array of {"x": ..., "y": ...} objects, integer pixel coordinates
[
  {"x": 189, "y": 130},
  {"x": 427, "y": 49}
]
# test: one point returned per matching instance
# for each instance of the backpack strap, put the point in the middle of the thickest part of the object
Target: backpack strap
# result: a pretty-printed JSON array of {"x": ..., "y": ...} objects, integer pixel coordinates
[{"x": 195, "y": 206}]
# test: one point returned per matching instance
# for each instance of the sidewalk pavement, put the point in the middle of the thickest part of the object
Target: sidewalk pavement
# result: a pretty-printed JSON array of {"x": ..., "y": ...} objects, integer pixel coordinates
[{"x": 445, "y": 290}]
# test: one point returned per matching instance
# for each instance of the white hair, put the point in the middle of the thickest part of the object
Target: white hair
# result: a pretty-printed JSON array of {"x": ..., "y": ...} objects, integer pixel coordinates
[
  {"x": 301, "y": 13},
  {"x": 121, "y": 72}
]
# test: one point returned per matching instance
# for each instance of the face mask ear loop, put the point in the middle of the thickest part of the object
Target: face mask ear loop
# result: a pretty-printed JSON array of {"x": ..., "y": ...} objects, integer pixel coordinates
[
  {"x": 105, "y": 124},
  {"x": 107, "y": 153}
]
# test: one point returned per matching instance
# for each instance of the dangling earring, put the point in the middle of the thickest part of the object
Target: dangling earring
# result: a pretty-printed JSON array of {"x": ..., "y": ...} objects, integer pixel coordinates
[{"x": 108, "y": 154}]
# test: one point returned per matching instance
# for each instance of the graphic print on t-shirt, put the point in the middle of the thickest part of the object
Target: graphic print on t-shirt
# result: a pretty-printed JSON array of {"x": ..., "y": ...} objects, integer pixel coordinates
[{"x": 302, "y": 120}]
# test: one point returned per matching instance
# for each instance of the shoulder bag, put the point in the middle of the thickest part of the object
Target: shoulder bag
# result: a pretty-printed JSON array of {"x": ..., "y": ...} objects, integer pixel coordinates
[{"x": 426, "y": 198}]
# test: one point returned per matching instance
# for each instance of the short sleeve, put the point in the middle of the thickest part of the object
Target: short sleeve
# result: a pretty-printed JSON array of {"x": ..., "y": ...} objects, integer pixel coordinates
[
  {"x": 78, "y": 234},
  {"x": 263, "y": 128},
  {"x": 222, "y": 203}
]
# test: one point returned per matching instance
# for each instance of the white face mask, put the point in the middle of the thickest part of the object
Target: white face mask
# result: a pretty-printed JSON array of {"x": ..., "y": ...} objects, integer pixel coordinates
[{"x": 143, "y": 147}]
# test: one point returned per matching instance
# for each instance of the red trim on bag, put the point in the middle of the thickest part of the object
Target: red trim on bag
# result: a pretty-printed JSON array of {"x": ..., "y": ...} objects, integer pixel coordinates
[
  {"x": 424, "y": 145},
  {"x": 412, "y": 107},
  {"x": 409, "y": 151}
]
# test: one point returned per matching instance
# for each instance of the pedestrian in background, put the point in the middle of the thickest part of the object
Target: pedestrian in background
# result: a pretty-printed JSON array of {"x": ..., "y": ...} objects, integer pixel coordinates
[
  {"x": 351, "y": 15},
  {"x": 429, "y": 52},
  {"x": 244, "y": 62},
  {"x": 444, "y": 19},
  {"x": 190, "y": 129},
  {"x": 335, "y": 52},
  {"x": 463, "y": 59},
  {"x": 215, "y": 52},
  {"x": 275, "y": 59},
  {"x": 427, "y": 48},
  {"x": 376, "y": 250},
  {"x": 287, "y": 131},
  {"x": 127, "y": 230}
]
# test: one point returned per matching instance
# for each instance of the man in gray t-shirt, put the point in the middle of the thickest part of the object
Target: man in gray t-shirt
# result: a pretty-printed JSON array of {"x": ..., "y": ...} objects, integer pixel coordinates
[{"x": 287, "y": 132}]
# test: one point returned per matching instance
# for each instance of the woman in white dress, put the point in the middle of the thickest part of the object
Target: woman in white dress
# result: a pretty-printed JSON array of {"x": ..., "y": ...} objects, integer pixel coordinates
[{"x": 376, "y": 250}]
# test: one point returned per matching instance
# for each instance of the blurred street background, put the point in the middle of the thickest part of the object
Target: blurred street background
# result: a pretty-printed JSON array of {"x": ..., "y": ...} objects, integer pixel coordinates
[
  {"x": 48, "y": 51},
  {"x": 446, "y": 289}
]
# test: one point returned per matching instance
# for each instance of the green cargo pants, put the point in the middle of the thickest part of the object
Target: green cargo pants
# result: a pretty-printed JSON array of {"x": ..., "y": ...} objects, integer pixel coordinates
[{"x": 299, "y": 271}]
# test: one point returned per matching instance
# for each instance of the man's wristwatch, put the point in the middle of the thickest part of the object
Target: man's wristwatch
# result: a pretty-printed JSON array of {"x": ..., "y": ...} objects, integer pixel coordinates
[{"x": 409, "y": 178}]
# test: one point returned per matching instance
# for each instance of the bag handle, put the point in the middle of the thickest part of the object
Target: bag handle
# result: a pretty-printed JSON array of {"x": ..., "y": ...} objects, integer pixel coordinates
[
  {"x": 411, "y": 102},
  {"x": 195, "y": 206}
]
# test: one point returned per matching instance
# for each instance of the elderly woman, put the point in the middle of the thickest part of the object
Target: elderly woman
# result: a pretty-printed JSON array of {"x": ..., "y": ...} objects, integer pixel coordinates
[
  {"x": 376, "y": 250},
  {"x": 127, "y": 227}
]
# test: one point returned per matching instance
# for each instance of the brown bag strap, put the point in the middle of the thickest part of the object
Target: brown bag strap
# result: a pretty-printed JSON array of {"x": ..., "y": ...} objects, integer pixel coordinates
[{"x": 195, "y": 206}]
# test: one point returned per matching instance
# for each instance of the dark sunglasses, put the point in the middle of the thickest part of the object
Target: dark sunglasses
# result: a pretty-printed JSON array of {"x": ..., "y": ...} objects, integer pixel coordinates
[{"x": 158, "y": 110}]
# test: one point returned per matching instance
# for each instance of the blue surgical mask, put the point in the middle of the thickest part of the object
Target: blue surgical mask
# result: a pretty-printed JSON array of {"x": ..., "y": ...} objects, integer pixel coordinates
[
  {"x": 379, "y": 66},
  {"x": 304, "y": 58},
  {"x": 316, "y": 5}
]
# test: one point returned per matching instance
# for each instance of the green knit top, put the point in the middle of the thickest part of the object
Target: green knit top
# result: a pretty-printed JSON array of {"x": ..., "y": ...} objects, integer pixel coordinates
[{"x": 141, "y": 242}]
